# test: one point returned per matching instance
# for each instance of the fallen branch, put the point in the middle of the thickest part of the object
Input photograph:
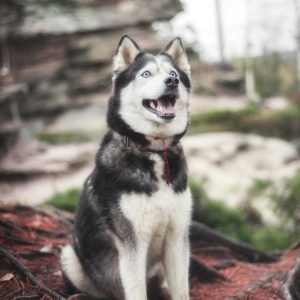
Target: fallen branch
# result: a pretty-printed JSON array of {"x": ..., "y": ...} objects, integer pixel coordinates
[
  {"x": 16, "y": 239},
  {"x": 291, "y": 288},
  {"x": 200, "y": 231},
  {"x": 27, "y": 298},
  {"x": 15, "y": 262},
  {"x": 203, "y": 271}
]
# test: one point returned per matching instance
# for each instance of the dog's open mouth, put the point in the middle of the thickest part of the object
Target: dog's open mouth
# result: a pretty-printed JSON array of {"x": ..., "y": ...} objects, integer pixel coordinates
[{"x": 163, "y": 106}]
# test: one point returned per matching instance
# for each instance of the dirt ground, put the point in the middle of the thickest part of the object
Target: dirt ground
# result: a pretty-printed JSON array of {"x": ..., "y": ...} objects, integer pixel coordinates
[{"x": 31, "y": 241}]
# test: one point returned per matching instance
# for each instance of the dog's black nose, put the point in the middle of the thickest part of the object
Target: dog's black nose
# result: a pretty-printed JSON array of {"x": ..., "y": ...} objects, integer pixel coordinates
[{"x": 171, "y": 82}]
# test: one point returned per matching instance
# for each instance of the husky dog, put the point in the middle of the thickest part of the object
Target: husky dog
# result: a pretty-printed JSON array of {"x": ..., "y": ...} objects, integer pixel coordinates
[{"x": 133, "y": 216}]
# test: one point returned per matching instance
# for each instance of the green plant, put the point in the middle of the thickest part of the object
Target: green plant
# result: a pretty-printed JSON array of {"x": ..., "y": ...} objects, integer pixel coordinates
[
  {"x": 199, "y": 196},
  {"x": 272, "y": 238},
  {"x": 79, "y": 162},
  {"x": 65, "y": 200},
  {"x": 267, "y": 74},
  {"x": 245, "y": 223},
  {"x": 274, "y": 73},
  {"x": 228, "y": 220},
  {"x": 221, "y": 120},
  {"x": 218, "y": 215},
  {"x": 286, "y": 201},
  {"x": 258, "y": 188}
]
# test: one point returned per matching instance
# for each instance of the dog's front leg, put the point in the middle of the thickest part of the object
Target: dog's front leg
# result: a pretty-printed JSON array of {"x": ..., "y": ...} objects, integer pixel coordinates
[
  {"x": 132, "y": 262},
  {"x": 176, "y": 265}
]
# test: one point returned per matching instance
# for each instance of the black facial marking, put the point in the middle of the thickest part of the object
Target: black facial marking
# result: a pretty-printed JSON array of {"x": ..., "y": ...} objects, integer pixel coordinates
[
  {"x": 183, "y": 77},
  {"x": 125, "y": 77}
]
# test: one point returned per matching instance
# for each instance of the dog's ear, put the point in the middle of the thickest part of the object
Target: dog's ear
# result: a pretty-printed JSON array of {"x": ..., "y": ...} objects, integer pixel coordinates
[
  {"x": 125, "y": 55},
  {"x": 177, "y": 52}
]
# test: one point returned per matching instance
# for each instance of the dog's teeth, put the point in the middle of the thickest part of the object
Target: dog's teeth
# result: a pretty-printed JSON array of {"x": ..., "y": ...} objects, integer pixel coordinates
[{"x": 152, "y": 105}]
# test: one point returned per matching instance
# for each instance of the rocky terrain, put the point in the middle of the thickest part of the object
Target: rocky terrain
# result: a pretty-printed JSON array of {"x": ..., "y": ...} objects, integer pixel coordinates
[
  {"x": 57, "y": 54},
  {"x": 55, "y": 78},
  {"x": 55, "y": 75}
]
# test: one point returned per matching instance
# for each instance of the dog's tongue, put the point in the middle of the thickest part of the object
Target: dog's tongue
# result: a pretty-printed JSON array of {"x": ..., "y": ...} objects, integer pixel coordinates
[{"x": 164, "y": 107}]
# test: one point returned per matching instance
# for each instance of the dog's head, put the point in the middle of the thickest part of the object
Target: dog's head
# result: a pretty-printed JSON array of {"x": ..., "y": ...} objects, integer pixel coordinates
[{"x": 150, "y": 93}]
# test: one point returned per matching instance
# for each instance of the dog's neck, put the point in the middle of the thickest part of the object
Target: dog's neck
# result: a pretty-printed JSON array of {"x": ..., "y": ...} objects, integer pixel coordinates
[{"x": 156, "y": 144}]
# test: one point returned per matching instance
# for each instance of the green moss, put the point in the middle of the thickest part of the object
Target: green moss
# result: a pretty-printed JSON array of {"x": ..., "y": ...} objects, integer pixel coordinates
[
  {"x": 283, "y": 124},
  {"x": 223, "y": 119},
  {"x": 79, "y": 162},
  {"x": 272, "y": 238},
  {"x": 286, "y": 202},
  {"x": 66, "y": 137},
  {"x": 65, "y": 200}
]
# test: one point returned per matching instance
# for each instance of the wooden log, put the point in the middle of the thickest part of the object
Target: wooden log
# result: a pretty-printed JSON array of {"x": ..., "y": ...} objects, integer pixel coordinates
[
  {"x": 291, "y": 288},
  {"x": 200, "y": 231}
]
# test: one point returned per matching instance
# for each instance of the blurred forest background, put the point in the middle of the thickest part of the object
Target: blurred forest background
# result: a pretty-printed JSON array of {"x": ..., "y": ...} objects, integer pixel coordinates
[{"x": 243, "y": 144}]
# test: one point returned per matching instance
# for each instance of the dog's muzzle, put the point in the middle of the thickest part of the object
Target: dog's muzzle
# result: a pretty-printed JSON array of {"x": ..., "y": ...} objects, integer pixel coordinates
[{"x": 163, "y": 107}]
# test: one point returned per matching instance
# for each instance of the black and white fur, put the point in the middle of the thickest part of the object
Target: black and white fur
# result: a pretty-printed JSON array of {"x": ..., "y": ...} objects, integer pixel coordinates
[{"x": 131, "y": 224}]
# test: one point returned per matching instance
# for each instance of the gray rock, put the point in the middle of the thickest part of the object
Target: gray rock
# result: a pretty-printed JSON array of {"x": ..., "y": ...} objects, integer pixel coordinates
[
  {"x": 227, "y": 164},
  {"x": 56, "y": 18}
]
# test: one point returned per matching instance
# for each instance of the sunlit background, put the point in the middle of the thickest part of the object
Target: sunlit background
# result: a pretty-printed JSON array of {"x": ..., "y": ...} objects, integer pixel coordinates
[
  {"x": 267, "y": 25},
  {"x": 243, "y": 143}
]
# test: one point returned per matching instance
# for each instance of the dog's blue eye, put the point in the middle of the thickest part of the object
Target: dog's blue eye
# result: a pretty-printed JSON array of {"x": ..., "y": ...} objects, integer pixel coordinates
[
  {"x": 174, "y": 74},
  {"x": 146, "y": 74}
]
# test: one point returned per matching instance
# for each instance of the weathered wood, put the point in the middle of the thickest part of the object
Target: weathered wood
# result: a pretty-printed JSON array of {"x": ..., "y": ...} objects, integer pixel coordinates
[
  {"x": 204, "y": 271},
  {"x": 200, "y": 231},
  {"x": 37, "y": 58},
  {"x": 65, "y": 17},
  {"x": 91, "y": 48},
  {"x": 291, "y": 288},
  {"x": 63, "y": 49}
]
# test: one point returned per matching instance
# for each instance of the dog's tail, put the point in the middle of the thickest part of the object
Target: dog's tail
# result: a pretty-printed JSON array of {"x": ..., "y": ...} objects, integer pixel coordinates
[{"x": 75, "y": 277}]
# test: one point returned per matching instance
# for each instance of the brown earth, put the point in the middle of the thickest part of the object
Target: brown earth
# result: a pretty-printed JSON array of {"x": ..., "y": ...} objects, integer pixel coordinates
[{"x": 31, "y": 241}]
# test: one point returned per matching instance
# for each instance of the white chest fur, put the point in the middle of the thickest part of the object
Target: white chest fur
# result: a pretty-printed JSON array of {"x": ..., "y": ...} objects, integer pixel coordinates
[{"x": 156, "y": 217}]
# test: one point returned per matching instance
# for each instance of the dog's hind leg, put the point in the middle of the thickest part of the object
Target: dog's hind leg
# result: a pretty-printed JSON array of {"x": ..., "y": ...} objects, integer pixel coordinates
[{"x": 75, "y": 277}]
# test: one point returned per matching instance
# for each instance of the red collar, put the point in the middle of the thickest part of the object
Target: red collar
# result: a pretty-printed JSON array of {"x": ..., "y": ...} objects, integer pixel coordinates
[{"x": 131, "y": 144}]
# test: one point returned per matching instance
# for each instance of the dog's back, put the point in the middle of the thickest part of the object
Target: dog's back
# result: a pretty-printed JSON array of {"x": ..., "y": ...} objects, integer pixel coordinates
[{"x": 131, "y": 225}]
